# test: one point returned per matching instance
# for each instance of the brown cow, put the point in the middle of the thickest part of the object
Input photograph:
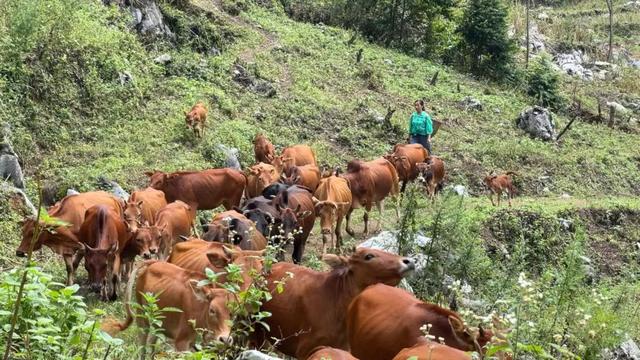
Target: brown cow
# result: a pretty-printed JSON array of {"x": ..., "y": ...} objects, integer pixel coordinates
[
  {"x": 433, "y": 173},
  {"x": 198, "y": 255},
  {"x": 332, "y": 200},
  {"x": 370, "y": 183},
  {"x": 196, "y": 119},
  {"x": 305, "y": 175},
  {"x": 172, "y": 221},
  {"x": 203, "y": 190},
  {"x": 297, "y": 213},
  {"x": 312, "y": 309},
  {"x": 202, "y": 307},
  {"x": 260, "y": 176},
  {"x": 404, "y": 158},
  {"x": 105, "y": 238},
  {"x": 379, "y": 328},
  {"x": 294, "y": 155},
  {"x": 232, "y": 226},
  {"x": 64, "y": 240},
  {"x": 432, "y": 351},
  {"x": 263, "y": 149},
  {"x": 499, "y": 183},
  {"x": 143, "y": 205},
  {"x": 329, "y": 353},
  {"x": 147, "y": 240}
]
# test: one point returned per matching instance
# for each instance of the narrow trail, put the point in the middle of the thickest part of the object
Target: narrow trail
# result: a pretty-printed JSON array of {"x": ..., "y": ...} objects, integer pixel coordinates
[{"x": 268, "y": 43}]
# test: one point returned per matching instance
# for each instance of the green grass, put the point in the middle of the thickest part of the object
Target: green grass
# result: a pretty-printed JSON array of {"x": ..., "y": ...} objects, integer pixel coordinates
[{"x": 69, "y": 138}]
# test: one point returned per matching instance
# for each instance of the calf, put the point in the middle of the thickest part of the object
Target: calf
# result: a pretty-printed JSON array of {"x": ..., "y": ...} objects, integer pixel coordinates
[
  {"x": 499, "y": 183},
  {"x": 202, "y": 190},
  {"x": 370, "y": 183},
  {"x": 172, "y": 221},
  {"x": 332, "y": 200},
  {"x": 105, "y": 238},
  {"x": 404, "y": 158},
  {"x": 297, "y": 213},
  {"x": 63, "y": 240},
  {"x": 196, "y": 119},
  {"x": 260, "y": 176},
  {"x": 294, "y": 155},
  {"x": 143, "y": 205},
  {"x": 263, "y": 149},
  {"x": 329, "y": 353},
  {"x": 379, "y": 328},
  {"x": 232, "y": 226},
  {"x": 432, "y": 351},
  {"x": 198, "y": 255},
  {"x": 202, "y": 307},
  {"x": 319, "y": 300},
  {"x": 433, "y": 173},
  {"x": 305, "y": 175},
  {"x": 264, "y": 215}
]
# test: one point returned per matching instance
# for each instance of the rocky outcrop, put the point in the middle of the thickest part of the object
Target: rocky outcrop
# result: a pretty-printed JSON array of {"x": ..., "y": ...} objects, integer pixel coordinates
[{"x": 537, "y": 122}]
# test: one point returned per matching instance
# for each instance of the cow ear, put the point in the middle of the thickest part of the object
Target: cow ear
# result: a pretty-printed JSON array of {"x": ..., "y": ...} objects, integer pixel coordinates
[
  {"x": 139, "y": 203},
  {"x": 200, "y": 293},
  {"x": 230, "y": 253},
  {"x": 335, "y": 261},
  {"x": 304, "y": 214},
  {"x": 233, "y": 224},
  {"x": 218, "y": 260},
  {"x": 456, "y": 324},
  {"x": 149, "y": 173}
]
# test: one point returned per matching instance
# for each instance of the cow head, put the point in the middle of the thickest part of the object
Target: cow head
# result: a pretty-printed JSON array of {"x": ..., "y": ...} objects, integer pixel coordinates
[
  {"x": 250, "y": 261},
  {"x": 327, "y": 211},
  {"x": 281, "y": 163},
  {"x": 147, "y": 240},
  {"x": 191, "y": 118},
  {"x": 218, "y": 316},
  {"x": 467, "y": 339},
  {"x": 99, "y": 266},
  {"x": 264, "y": 175},
  {"x": 291, "y": 219},
  {"x": 49, "y": 235},
  {"x": 28, "y": 227},
  {"x": 291, "y": 176},
  {"x": 401, "y": 163},
  {"x": 133, "y": 215},
  {"x": 157, "y": 179},
  {"x": 371, "y": 266}
]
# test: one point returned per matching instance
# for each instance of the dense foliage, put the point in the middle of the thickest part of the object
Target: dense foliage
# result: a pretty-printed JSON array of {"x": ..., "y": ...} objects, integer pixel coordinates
[{"x": 543, "y": 82}]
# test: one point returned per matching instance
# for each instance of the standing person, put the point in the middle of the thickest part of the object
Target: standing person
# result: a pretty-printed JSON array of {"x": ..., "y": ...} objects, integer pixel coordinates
[{"x": 420, "y": 127}]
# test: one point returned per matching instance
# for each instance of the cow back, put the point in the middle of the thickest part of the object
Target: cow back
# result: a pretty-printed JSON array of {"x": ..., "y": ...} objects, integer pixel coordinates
[
  {"x": 152, "y": 201},
  {"x": 301, "y": 155},
  {"x": 431, "y": 351}
]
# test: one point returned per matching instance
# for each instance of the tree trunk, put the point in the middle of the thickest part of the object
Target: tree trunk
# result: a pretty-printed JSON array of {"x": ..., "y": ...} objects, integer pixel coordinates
[
  {"x": 610, "y": 7},
  {"x": 612, "y": 116},
  {"x": 526, "y": 64}
]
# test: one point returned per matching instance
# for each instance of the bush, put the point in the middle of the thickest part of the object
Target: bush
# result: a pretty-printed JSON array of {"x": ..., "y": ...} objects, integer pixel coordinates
[
  {"x": 543, "y": 83},
  {"x": 486, "y": 44}
]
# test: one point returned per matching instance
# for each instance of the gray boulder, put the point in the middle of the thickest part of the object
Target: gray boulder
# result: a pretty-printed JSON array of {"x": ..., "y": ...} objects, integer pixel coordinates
[
  {"x": 163, "y": 59},
  {"x": 10, "y": 169},
  {"x": 231, "y": 157},
  {"x": 18, "y": 200},
  {"x": 388, "y": 241},
  {"x": 628, "y": 350},
  {"x": 148, "y": 19},
  {"x": 537, "y": 122},
  {"x": 572, "y": 64},
  {"x": 470, "y": 103},
  {"x": 255, "y": 355},
  {"x": 243, "y": 77}
]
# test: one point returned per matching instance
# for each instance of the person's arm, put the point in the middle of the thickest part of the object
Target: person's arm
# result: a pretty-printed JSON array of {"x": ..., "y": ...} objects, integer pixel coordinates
[{"x": 428, "y": 126}]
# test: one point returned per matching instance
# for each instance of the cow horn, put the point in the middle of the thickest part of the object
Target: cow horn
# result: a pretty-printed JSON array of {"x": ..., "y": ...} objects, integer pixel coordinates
[
  {"x": 183, "y": 238},
  {"x": 315, "y": 200}
]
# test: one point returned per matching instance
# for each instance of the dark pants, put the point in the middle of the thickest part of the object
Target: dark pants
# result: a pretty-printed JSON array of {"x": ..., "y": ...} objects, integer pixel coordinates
[{"x": 422, "y": 140}]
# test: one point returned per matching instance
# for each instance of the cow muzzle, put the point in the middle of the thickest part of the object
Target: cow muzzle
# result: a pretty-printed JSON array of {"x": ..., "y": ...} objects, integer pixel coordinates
[
  {"x": 325, "y": 231},
  {"x": 95, "y": 287},
  {"x": 407, "y": 266},
  {"x": 225, "y": 339},
  {"x": 146, "y": 255}
]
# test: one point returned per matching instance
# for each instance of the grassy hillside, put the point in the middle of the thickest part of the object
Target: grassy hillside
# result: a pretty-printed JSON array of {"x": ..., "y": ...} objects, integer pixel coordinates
[{"x": 85, "y": 98}]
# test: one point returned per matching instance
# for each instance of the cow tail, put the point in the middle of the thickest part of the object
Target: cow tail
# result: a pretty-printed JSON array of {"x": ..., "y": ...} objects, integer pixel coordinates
[
  {"x": 113, "y": 326},
  {"x": 511, "y": 173},
  {"x": 395, "y": 187}
]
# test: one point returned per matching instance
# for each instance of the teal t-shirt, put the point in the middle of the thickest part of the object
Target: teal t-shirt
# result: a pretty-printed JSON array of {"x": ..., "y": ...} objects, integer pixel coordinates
[{"x": 421, "y": 124}]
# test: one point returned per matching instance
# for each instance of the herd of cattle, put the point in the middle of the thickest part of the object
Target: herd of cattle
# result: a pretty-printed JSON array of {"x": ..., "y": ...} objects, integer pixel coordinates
[{"x": 354, "y": 307}]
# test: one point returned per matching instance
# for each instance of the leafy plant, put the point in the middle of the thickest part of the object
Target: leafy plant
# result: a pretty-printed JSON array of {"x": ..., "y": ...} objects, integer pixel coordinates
[{"x": 543, "y": 83}]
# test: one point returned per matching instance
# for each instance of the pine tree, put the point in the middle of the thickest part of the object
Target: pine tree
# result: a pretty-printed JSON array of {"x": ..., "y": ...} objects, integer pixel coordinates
[{"x": 485, "y": 40}]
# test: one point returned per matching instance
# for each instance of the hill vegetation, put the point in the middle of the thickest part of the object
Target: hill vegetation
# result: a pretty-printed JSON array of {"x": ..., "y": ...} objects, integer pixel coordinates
[{"x": 88, "y": 95}]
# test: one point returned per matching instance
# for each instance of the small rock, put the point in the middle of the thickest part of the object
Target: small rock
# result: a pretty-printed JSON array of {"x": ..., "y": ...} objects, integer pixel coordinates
[
  {"x": 632, "y": 5},
  {"x": 72, "y": 192},
  {"x": 546, "y": 190},
  {"x": 566, "y": 224},
  {"x": 537, "y": 122},
  {"x": 628, "y": 350},
  {"x": 497, "y": 110},
  {"x": 618, "y": 107},
  {"x": 543, "y": 17},
  {"x": 460, "y": 190},
  {"x": 162, "y": 59},
  {"x": 565, "y": 196},
  {"x": 470, "y": 103},
  {"x": 388, "y": 61},
  {"x": 255, "y": 355},
  {"x": 635, "y": 64},
  {"x": 231, "y": 157},
  {"x": 125, "y": 78},
  {"x": 214, "y": 51}
]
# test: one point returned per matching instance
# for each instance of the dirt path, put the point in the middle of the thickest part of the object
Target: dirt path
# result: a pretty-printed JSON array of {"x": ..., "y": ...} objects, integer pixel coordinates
[{"x": 268, "y": 43}]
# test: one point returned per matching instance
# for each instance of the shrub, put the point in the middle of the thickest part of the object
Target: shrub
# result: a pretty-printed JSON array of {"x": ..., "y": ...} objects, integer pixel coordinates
[{"x": 543, "y": 82}]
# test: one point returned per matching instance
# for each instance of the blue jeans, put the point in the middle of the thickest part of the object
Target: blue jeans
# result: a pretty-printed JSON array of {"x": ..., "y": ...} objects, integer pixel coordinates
[{"x": 422, "y": 140}]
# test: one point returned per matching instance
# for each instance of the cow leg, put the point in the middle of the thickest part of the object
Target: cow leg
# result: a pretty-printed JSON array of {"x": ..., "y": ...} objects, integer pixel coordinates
[
  {"x": 380, "y": 206},
  {"x": 348, "y": 226},
  {"x": 404, "y": 186},
  {"x": 71, "y": 271},
  {"x": 115, "y": 278},
  {"x": 509, "y": 196},
  {"x": 338, "y": 234},
  {"x": 183, "y": 344},
  {"x": 491, "y": 198},
  {"x": 298, "y": 250},
  {"x": 365, "y": 218},
  {"x": 499, "y": 196}
]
